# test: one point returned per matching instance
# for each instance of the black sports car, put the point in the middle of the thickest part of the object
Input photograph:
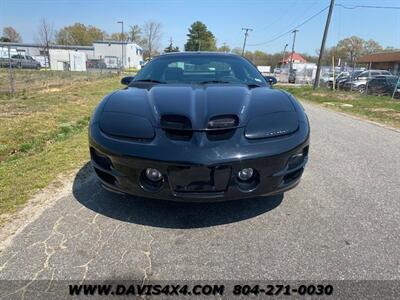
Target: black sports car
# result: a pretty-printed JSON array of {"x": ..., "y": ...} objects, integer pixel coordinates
[{"x": 199, "y": 126}]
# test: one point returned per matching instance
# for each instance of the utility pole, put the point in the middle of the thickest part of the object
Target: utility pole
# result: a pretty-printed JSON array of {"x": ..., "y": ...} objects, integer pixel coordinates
[
  {"x": 284, "y": 54},
  {"x": 291, "y": 56},
  {"x": 321, "y": 51},
  {"x": 246, "y": 33},
  {"x": 122, "y": 44}
]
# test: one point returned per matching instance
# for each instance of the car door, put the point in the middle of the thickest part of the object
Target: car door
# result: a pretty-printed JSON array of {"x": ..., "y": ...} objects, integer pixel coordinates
[{"x": 375, "y": 86}]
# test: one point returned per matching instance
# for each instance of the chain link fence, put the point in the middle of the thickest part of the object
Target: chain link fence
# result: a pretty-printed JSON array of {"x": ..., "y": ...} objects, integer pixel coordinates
[{"x": 354, "y": 79}]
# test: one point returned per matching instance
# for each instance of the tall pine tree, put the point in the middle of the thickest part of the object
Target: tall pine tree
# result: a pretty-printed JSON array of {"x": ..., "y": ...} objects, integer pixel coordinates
[{"x": 200, "y": 38}]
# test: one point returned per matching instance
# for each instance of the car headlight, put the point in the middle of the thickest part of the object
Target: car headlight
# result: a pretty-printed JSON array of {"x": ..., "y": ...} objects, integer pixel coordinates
[
  {"x": 126, "y": 125},
  {"x": 272, "y": 125}
]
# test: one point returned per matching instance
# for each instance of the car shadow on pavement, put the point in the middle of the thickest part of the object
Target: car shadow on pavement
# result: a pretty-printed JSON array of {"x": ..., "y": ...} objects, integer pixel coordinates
[{"x": 165, "y": 214}]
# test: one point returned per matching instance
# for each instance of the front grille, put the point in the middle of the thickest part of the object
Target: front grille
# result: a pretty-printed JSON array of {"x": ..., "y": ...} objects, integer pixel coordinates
[{"x": 219, "y": 135}]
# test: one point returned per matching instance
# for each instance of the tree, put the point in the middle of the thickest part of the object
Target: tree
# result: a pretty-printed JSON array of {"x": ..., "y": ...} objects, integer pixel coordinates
[
  {"x": 4, "y": 39},
  {"x": 171, "y": 47},
  {"x": 372, "y": 46},
  {"x": 10, "y": 34},
  {"x": 200, "y": 38},
  {"x": 117, "y": 36},
  {"x": 79, "y": 34},
  {"x": 237, "y": 51},
  {"x": 151, "y": 38},
  {"x": 224, "y": 48},
  {"x": 45, "y": 36},
  {"x": 135, "y": 33},
  {"x": 351, "y": 47}
]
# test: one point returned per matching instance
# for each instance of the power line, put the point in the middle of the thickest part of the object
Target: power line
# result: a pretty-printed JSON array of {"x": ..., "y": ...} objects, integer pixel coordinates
[
  {"x": 367, "y": 6},
  {"x": 290, "y": 31}
]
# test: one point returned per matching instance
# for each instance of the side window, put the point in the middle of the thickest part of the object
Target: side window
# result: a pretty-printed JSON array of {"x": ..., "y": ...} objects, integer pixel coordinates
[{"x": 373, "y": 82}]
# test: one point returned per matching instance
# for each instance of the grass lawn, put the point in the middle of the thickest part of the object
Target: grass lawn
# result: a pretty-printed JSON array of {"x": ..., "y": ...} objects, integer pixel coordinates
[
  {"x": 381, "y": 109},
  {"x": 43, "y": 131}
]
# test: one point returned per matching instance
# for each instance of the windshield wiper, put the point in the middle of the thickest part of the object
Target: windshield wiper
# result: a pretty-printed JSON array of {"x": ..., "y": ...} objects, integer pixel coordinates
[
  {"x": 148, "y": 80},
  {"x": 253, "y": 85},
  {"x": 214, "y": 81}
]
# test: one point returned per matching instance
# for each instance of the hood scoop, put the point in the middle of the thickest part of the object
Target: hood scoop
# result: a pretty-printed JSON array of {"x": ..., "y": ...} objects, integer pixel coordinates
[{"x": 223, "y": 122}]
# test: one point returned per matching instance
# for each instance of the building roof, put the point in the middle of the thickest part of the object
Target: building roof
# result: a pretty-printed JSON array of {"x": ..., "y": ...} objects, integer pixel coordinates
[
  {"x": 116, "y": 43},
  {"x": 294, "y": 57},
  {"x": 71, "y": 47},
  {"x": 381, "y": 57}
]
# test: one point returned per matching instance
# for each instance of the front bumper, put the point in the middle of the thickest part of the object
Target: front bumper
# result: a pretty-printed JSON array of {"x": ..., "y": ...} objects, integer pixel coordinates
[{"x": 201, "y": 177}]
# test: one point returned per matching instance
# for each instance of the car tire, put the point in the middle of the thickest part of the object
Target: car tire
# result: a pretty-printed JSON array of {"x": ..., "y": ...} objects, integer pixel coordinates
[{"x": 361, "y": 89}]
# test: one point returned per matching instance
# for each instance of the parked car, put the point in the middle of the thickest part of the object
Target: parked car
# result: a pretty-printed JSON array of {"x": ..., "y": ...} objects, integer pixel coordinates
[
  {"x": 326, "y": 79},
  {"x": 199, "y": 127},
  {"x": 384, "y": 86},
  {"x": 95, "y": 64},
  {"x": 360, "y": 81},
  {"x": 20, "y": 61},
  {"x": 346, "y": 77}
]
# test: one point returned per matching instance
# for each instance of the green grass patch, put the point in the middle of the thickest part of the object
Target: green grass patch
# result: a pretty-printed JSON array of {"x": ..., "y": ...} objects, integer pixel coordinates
[
  {"x": 43, "y": 133},
  {"x": 381, "y": 109}
]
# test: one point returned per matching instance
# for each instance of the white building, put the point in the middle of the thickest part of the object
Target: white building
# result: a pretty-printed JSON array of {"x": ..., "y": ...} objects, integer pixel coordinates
[
  {"x": 67, "y": 60},
  {"x": 113, "y": 52},
  {"x": 69, "y": 57}
]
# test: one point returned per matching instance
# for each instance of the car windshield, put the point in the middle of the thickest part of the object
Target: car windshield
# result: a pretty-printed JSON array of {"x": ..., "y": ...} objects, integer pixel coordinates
[{"x": 200, "y": 69}]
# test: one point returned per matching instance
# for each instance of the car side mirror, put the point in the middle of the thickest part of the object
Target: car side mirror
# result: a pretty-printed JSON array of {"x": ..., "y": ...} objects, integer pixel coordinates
[
  {"x": 127, "y": 80},
  {"x": 271, "y": 79}
]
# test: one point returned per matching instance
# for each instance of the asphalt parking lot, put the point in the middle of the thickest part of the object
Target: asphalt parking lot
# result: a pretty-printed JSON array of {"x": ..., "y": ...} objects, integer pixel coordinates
[{"x": 341, "y": 222}]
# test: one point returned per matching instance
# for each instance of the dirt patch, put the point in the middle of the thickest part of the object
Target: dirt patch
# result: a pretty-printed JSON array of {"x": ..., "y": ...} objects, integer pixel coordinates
[{"x": 381, "y": 109}]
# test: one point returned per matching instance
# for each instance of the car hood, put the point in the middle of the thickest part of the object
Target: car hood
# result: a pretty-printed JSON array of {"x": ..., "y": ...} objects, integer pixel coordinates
[{"x": 198, "y": 103}]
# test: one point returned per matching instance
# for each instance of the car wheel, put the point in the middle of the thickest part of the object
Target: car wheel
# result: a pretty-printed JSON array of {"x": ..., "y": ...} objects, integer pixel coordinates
[{"x": 361, "y": 89}]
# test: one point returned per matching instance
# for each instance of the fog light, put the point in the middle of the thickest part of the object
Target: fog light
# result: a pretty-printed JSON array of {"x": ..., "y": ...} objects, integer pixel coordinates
[
  {"x": 153, "y": 174},
  {"x": 246, "y": 174}
]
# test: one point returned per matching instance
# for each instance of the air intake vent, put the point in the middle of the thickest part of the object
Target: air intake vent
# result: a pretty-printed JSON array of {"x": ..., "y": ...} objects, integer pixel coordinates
[
  {"x": 177, "y": 127},
  {"x": 175, "y": 122},
  {"x": 223, "y": 122}
]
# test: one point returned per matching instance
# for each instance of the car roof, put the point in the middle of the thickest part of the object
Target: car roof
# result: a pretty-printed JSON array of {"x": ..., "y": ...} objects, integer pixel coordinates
[
  {"x": 385, "y": 76},
  {"x": 194, "y": 53}
]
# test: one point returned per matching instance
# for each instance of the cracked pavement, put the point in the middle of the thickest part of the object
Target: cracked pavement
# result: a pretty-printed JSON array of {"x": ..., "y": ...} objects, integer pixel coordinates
[{"x": 341, "y": 222}]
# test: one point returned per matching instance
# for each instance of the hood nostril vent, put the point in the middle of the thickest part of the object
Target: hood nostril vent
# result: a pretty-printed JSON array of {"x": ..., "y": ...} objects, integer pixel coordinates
[
  {"x": 175, "y": 122},
  {"x": 177, "y": 127},
  {"x": 223, "y": 122}
]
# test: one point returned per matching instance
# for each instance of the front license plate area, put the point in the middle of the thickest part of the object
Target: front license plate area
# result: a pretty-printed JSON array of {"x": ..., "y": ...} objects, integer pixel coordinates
[{"x": 199, "y": 179}]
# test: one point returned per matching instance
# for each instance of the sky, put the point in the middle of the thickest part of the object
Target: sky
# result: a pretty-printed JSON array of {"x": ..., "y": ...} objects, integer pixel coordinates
[{"x": 225, "y": 19}]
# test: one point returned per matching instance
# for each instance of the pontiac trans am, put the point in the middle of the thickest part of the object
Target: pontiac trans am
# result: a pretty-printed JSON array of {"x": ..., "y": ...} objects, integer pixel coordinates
[{"x": 198, "y": 126}]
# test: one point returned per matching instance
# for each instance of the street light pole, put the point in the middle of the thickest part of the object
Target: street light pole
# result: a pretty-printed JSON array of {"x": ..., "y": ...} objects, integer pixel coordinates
[
  {"x": 246, "y": 33},
  {"x": 122, "y": 44}
]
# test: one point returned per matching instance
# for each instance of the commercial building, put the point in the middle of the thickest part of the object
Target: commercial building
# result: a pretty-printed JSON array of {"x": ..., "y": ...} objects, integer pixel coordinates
[
  {"x": 382, "y": 61},
  {"x": 114, "y": 54},
  {"x": 117, "y": 53}
]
